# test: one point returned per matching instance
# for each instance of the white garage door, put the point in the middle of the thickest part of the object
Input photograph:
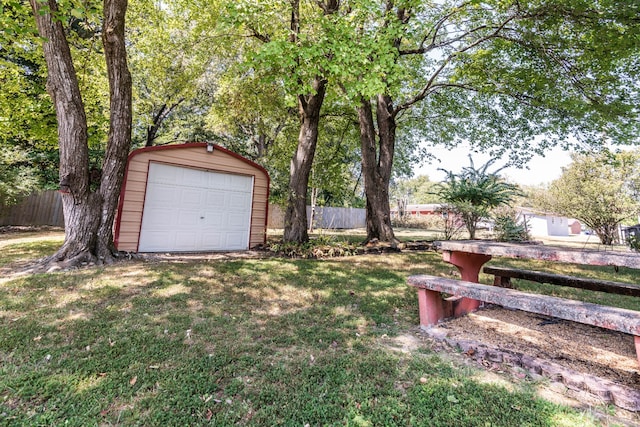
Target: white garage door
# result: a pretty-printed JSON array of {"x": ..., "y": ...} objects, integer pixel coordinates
[{"x": 194, "y": 210}]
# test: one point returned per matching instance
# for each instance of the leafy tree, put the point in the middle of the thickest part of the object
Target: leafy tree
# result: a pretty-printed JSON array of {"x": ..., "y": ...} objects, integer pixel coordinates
[
  {"x": 418, "y": 190},
  {"x": 89, "y": 210},
  {"x": 27, "y": 116},
  {"x": 474, "y": 193},
  {"x": 599, "y": 190},
  {"x": 170, "y": 65},
  {"x": 498, "y": 73},
  {"x": 294, "y": 49}
]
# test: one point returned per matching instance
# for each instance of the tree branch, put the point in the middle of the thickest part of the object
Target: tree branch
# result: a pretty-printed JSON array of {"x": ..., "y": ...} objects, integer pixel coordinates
[{"x": 426, "y": 89}]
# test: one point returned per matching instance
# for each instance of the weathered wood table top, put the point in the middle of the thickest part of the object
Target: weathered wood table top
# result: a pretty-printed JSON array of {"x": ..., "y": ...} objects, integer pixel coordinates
[{"x": 541, "y": 252}]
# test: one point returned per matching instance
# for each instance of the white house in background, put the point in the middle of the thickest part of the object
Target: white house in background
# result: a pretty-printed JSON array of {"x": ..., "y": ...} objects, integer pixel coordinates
[{"x": 544, "y": 223}]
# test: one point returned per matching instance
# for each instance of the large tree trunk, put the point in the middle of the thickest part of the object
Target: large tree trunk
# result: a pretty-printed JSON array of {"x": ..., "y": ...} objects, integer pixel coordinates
[
  {"x": 377, "y": 162},
  {"x": 295, "y": 220},
  {"x": 119, "y": 142},
  {"x": 88, "y": 215}
]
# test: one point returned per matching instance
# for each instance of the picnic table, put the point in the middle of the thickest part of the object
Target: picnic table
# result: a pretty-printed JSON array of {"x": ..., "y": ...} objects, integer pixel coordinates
[{"x": 470, "y": 255}]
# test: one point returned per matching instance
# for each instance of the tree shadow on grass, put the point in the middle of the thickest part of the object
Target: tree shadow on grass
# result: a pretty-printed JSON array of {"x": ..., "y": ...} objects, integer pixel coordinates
[{"x": 252, "y": 342}]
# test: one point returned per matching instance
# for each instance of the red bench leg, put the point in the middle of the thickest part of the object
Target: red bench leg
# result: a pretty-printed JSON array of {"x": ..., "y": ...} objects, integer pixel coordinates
[
  {"x": 465, "y": 305},
  {"x": 469, "y": 266},
  {"x": 432, "y": 307}
]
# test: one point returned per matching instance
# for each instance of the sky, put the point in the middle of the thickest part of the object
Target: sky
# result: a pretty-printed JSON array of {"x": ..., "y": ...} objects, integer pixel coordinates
[{"x": 541, "y": 170}]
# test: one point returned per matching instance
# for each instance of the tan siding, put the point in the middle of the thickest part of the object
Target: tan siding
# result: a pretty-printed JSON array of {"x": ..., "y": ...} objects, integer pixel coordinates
[
  {"x": 197, "y": 157},
  {"x": 129, "y": 245},
  {"x": 129, "y": 227}
]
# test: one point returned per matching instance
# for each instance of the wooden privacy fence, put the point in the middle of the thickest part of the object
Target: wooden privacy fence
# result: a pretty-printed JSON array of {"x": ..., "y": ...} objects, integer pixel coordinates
[
  {"x": 37, "y": 209},
  {"x": 324, "y": 217},
  {"x": 46, "y": 209}
]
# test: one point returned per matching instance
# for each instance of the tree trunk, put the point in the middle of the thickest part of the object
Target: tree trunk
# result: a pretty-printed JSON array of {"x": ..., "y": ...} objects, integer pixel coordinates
[
  {"x": 377, "y": 165},
  {"x": 88, "y": 216},
  {"x": 119, "y": 143},
  {"x": 295, "y": 220},
  {"x": 152, "y": 129}
]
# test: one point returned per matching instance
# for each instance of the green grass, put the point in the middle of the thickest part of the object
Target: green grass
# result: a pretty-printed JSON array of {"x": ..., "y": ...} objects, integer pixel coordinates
[
  {"x": 622, "y": 275},
  {"x": 249, "y": 342},
  {"x": 15, "y": 250}
]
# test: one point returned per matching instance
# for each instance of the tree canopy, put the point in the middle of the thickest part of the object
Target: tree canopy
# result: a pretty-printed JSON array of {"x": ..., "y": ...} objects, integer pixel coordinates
[
  {"x": 599, "y": 189},
  {"x": 297, "y": 85}
]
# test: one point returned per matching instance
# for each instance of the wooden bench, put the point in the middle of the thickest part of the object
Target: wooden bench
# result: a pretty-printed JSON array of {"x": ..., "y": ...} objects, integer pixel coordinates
[
  {"x": 504, "y": 275},
  {"x": 433, "y": 308}
]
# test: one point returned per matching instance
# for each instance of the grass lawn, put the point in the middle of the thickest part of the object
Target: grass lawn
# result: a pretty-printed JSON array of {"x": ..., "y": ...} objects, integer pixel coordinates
[{"x": 245, "y": 342}]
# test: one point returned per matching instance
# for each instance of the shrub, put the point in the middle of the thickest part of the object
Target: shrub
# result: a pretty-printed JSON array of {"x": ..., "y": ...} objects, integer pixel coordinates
[
  {"x": 634, "y": 242},
  {"x": 510, "y": 228}
]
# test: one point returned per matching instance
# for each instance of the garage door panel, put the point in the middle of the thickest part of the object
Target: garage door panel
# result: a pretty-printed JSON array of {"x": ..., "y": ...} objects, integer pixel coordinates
[
  {"x": 185, "y": 241},
  {"x": 162, "y": 195},
  {"x": 232, "y": 239},
  {"x": 240, "y": 186},
  {"x": 158, "y": 222},
  {"x": 163, "y": 175},
  {"x": 238, "y": 202},
  {"x": 215, "y": 199},
  {"x": 187, "y": 219},
  {"x": 237, "y": 221},
  {"x": 191, "y": 197},
  {"x": 213, "y": 219},
  {"x": 193, "y": 210},
  {"x": 155, "y": 241},
  {"x": 191, "y": 177},
  {"x": 213, "y": 239}
]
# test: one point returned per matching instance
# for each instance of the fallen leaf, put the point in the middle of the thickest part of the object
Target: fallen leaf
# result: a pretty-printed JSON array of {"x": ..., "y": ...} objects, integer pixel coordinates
[
  {"x": 133, "y": 380},
  {"x": 209, "y": 414}
]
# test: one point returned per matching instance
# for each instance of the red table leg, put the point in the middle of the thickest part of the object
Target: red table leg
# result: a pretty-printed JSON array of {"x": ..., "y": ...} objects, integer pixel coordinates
[{"x": 469, "y": 266}]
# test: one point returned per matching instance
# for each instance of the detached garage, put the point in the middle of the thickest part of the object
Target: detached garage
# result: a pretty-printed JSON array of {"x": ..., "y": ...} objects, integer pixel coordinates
[{"x": 191, "y": 198}]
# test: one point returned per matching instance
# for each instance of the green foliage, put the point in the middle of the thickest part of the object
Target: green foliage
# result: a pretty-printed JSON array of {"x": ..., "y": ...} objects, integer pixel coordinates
[
  {"x": 508, "y": 227},
  {"x": 17, "y": 177},
  {"x": 418, "y": 190},
  {"x": 171, "y": 68},
  {"x": 473, "y": 193},
  {"x": 27, "y": 117},
  {"x": 323, "y": 246},
  {"x": 599, "y": 189},
  {"x": 633, "y": 241}
]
